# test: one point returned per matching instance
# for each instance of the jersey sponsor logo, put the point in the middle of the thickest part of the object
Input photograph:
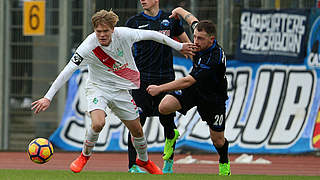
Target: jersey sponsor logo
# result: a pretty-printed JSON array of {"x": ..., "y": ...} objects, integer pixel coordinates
[
  {"x": 117, "y": 66},
  {"x": 77, "y": 59},
  {"x": 165, "y": 22},
  {"x": 119, "y": 69},
  {"x": 143, "y": 26},
  {"x": 165, "y": 32},
  {"x": 120, "y": 52}
]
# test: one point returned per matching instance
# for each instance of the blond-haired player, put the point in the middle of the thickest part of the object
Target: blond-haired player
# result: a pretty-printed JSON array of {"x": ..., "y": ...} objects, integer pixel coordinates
[{"x": 112, "y": 73}]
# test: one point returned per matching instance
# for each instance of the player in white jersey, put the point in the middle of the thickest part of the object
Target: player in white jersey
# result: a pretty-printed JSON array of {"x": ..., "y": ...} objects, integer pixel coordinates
[{"x": 112, "y": 73}]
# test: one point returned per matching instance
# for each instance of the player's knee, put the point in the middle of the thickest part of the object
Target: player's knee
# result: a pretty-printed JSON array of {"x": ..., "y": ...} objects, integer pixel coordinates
[
  {"x": 168, "y": 105},
  {"x": 217, "y": 141},
  {"x": 97, "y": 127},
  {"x": 163, "y": 109},
  {"x": 137, "y": 132}
]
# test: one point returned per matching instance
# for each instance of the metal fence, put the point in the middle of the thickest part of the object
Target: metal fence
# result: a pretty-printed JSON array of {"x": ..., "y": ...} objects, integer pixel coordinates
[{"x": 29, "y": 64}]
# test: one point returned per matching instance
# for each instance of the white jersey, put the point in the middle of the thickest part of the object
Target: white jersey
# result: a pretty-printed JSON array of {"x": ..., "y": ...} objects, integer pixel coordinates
[{"x": 110, "y": 66}]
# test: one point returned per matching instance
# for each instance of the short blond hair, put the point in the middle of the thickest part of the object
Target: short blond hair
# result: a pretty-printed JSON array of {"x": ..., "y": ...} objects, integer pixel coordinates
[{"x": 104, "y": 17}]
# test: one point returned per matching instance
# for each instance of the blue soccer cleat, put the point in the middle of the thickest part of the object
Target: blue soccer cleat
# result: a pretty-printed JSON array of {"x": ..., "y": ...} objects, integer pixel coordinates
[
  {"x": 135, "y": 169},
  {"x": 167, "y": 167}
]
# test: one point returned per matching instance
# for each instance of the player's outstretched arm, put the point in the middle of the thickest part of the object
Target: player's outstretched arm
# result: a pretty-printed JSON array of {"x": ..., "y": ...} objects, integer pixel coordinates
[
  {"x": 43, "y": 103},
  {"x": 184, "y": 48}
]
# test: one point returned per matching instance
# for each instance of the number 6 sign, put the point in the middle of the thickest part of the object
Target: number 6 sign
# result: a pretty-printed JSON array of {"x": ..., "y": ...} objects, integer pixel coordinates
[{"x": 33, "y": 18}]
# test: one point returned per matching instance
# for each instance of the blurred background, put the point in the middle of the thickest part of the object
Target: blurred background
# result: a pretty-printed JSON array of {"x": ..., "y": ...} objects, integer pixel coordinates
[{"x": 29, "y": 64}]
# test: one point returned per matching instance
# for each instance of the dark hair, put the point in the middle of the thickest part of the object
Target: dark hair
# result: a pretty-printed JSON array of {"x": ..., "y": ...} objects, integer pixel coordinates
[{"x": 207, "y": 26}]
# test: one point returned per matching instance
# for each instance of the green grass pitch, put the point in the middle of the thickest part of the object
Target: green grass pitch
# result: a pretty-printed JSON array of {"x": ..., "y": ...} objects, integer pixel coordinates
[{"x": 14, "y": 174}]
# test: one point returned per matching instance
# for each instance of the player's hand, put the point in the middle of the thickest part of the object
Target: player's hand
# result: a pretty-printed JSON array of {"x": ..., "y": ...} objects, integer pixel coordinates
[
  {"x": 40, "y": 105},
  {"x": 153, "y": 90},
  {"x": 175, "y": 13},
  {"x": 188, "y": 50}
]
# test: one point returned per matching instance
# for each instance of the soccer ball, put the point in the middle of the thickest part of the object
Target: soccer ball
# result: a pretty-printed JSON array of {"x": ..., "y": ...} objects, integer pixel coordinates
[{"x": 40, "y": 150}]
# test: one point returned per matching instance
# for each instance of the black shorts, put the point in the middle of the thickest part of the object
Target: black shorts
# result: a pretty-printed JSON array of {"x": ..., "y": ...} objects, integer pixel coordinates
[
  {"x": 147, "y": 104},
  {"x": 211, "y": 110}
]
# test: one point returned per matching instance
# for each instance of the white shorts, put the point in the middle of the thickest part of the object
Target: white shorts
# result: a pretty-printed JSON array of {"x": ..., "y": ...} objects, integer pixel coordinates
[{"x": 119, "y": 101}]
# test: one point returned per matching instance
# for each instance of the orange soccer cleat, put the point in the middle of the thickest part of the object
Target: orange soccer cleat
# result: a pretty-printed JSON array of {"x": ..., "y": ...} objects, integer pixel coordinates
[
  {"x": 150, "y": 166},
  {"x": 78, "y": 164}
]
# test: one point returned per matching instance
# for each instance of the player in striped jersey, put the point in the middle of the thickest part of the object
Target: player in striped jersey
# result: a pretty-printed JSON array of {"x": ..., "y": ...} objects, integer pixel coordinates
[{"x": 155, "y": 63}]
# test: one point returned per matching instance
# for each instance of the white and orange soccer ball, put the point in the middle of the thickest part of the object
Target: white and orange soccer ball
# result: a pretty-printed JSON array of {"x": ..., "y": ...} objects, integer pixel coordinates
[{"x": 40, "y": 150}]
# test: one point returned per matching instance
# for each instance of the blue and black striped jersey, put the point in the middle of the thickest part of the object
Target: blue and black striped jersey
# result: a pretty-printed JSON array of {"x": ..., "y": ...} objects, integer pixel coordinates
[
  {"x": 209, "y": 70},
  {"x": 154, "y": 60}
]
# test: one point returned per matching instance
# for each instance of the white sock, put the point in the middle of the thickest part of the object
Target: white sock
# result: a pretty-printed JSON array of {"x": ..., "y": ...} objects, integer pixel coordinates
[
  {"x": 140, "y": 144},
  {"x": 90, "y": 140}
]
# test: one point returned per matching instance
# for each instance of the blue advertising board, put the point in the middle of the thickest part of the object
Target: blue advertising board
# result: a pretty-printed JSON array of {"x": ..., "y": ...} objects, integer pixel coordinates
[{"x": 273, "y": 107}]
